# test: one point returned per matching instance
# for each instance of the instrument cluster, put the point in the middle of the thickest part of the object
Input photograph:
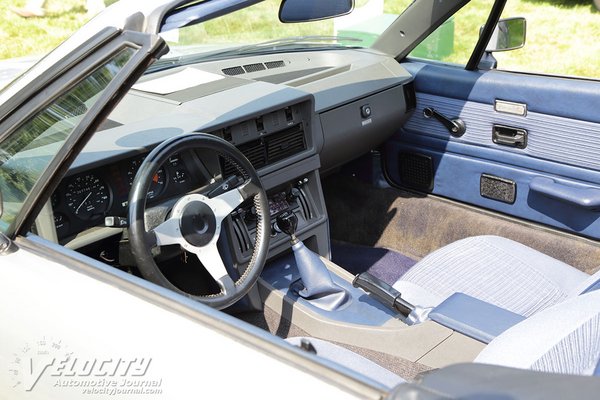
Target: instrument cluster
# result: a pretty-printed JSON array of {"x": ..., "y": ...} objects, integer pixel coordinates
[{"x": 83, "y": 200}]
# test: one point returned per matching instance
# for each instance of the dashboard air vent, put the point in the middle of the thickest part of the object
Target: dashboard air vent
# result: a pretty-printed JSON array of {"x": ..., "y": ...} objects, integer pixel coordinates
[
  {"x": 227, "y": 134},
  {"x": 410, "y": 96},
  {"x": 285, "y": 144},
  {"x": 270, "y": 149},
  {"x": 233, "y": 71},
  {"x": 254, "y": 67},
  {"x": 274, "y": 64}
]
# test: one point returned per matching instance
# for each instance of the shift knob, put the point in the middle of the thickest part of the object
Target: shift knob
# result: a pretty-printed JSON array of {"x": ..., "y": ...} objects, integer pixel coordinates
[{"x": 287, "y": 222}]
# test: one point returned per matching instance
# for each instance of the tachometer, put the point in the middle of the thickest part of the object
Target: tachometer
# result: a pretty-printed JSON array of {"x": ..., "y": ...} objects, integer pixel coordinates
[
  {"x": 157, "y": 186},
  {"x": 87, "y": 196}
]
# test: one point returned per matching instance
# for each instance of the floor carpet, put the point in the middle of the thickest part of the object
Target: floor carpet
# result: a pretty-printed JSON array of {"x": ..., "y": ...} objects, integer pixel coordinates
[{"x": 415, "y": 225}]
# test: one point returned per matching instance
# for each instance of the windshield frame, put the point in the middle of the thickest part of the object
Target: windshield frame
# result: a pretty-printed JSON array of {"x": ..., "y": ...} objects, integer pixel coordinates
[{"x": 91, "y": 56}]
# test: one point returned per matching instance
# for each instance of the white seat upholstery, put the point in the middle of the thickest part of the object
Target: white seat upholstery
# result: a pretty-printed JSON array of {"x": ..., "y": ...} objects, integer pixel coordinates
[
  {"x": 493, "y": 269},
  {"x": 563, "y": 339},
  {"x": 562, "y": 333}
]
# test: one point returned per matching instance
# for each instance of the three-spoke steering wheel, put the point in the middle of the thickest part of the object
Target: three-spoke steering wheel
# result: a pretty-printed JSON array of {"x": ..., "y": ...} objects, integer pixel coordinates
[{"x": 195, "y": 221}]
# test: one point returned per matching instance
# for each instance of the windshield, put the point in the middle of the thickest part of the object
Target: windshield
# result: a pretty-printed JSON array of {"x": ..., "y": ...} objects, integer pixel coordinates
[
  {"x": 257, "y": 29},
  {"x": 25, "y": 154}
]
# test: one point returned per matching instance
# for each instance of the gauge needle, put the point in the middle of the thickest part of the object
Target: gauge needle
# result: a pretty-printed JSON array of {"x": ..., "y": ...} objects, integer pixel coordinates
[{"x": 84, "y": 200}]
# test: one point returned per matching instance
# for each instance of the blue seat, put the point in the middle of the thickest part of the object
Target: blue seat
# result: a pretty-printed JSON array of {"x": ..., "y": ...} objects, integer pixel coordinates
[{"x": 496, "y": 270}]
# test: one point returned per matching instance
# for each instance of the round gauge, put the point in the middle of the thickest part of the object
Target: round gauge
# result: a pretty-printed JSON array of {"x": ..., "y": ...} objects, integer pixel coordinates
[
  {"x": 180, "y": 176},
  {"x": 87, "y": 196},
  {"x": 158, "y": 184},
  {"x": 61, "y": 222}
]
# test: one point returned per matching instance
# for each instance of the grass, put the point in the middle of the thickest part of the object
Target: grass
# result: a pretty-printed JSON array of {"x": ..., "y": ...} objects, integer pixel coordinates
[
  {"x": 562, "y": 38},
  {"x": 21, "y": 37},
  {"x": 562, "y": 35}
]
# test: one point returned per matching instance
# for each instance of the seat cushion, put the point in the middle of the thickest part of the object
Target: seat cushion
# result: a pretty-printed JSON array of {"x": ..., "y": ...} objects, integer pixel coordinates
[
  {"x": 351, "y": 360},
  {"x": 493, "y": 269}
]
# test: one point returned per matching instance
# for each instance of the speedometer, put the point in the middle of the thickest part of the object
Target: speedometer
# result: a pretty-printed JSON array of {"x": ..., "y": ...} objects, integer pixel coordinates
[{"x": 87, "y": 196}]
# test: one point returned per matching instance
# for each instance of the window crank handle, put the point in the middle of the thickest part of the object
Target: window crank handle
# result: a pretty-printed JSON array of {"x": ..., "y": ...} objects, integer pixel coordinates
[{"x": 456, "y": 126}]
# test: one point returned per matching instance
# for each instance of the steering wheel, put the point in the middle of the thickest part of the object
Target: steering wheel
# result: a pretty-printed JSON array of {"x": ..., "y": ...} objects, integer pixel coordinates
[{"x": 195, "y": 221}]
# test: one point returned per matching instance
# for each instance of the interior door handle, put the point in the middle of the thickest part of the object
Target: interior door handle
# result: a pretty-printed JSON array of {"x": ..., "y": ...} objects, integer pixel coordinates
[
  {"x": 508, "y": 136},
  {"x": 456, "y": 126}
]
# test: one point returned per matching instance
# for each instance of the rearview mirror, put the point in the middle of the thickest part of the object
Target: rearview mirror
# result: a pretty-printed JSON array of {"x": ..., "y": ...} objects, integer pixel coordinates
[
  {"x": 313, "y": 10},
  {"x": 508, "y": 35}
]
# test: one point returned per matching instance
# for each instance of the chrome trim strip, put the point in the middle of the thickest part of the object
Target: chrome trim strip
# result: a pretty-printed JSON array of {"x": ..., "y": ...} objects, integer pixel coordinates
[{"x": 509, "y": 107}]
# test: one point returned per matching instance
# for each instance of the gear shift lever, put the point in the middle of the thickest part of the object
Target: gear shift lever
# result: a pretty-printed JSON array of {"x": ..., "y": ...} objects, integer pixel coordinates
[
  {"x": 287, "y": 223},
  {"x": 318, "y": 287}
]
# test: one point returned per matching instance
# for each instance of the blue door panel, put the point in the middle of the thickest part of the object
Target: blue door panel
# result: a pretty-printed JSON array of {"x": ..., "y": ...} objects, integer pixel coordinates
[
  {"x": 495, "y": 155},
  {"x": 557, "y": 176},
  {"x": 457, "y": 176},
  {"x": 570, "y": 98},
  {"x": 559, "y": 139}
]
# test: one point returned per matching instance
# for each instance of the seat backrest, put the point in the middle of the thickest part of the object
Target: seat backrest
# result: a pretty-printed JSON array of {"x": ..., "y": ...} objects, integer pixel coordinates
[{"x": 564, "y": 338}]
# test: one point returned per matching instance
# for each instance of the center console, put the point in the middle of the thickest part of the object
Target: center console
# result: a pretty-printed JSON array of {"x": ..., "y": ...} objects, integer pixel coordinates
[{"x": 302, "y": 196}]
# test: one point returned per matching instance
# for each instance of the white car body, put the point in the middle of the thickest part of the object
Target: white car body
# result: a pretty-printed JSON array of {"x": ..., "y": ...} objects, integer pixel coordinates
[{"x": 191, "y": 348}]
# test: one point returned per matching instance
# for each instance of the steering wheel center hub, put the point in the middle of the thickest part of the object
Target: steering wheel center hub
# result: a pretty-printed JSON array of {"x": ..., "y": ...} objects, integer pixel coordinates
[{"x": 198, "y": 223}]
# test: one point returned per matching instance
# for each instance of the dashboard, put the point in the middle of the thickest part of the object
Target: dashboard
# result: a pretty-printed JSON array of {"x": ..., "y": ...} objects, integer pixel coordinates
[{"x": 294, "y": 116}]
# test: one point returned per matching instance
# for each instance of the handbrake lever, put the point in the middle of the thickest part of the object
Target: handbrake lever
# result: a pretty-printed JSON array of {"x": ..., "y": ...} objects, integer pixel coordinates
[{"x": 383, "y": 292}]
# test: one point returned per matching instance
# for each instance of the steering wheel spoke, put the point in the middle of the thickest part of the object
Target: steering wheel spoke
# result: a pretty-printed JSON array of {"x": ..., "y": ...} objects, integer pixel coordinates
[
  {"x": 249, "y": 189},
  {"x": 168, "y": 232},
  {"x": 211, "y": 260},
  {"x": 225, "y": 203}
]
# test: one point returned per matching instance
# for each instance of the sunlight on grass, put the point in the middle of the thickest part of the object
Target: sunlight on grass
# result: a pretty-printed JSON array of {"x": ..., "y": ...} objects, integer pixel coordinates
[
  {"x": 562, "y": 35},
  {"x": 37, "y": 36},
  {"x": 562, "y": 38}
]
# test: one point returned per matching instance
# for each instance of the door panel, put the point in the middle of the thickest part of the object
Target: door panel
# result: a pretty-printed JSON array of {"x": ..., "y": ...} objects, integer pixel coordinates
[{"x": 554, "y": 180}]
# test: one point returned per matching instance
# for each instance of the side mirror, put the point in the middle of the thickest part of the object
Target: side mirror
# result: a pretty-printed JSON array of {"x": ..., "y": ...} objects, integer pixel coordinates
[
  {"x": 508, "y": 35},
  {"x": 313, "y": 10}
]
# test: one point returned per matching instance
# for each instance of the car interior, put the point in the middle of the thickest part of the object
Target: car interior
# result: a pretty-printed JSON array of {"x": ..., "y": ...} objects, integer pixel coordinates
[{"x": 396, "y": 217}]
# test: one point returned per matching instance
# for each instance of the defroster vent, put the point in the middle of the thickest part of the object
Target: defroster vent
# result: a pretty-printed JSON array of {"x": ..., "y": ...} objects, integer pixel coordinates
[
  {"x": 232, "y": 71},
  {"x": 254, "y": 67},
  {"x": 275, "y": 64},
  {"x": 249, "y": 68}
]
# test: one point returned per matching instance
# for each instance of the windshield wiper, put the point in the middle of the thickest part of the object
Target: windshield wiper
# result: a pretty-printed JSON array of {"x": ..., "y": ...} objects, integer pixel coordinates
[{"x": 293, "y": 42}]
